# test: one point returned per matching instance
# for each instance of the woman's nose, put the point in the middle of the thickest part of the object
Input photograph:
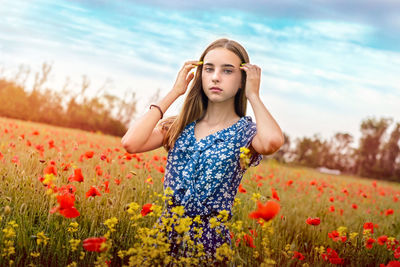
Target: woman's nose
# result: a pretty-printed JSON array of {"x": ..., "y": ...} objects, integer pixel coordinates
[{"x": 215, "y": 76}]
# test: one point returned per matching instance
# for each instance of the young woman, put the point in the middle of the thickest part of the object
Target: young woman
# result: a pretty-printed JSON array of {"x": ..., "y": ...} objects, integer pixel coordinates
[{"x": 204, "y": 140}]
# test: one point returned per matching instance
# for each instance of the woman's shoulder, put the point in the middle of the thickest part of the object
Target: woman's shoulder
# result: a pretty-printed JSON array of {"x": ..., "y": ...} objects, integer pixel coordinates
[{"x": 247, "y": 123}]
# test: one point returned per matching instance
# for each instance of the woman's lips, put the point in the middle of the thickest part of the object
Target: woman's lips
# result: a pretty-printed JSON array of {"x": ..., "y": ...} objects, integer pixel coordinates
[{"x": 215, "y": 89}]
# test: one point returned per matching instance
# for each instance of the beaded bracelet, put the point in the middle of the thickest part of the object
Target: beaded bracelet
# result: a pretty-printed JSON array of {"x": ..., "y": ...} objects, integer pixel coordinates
[{"x": 162, "y": 114}]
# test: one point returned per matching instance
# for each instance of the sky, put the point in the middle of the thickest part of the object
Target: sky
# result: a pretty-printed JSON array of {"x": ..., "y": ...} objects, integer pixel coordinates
[{"x": 326, "y": 65}]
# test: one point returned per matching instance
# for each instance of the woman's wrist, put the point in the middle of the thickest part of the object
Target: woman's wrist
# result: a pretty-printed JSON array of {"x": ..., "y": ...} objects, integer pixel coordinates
[{"x": 167, "y": 101}]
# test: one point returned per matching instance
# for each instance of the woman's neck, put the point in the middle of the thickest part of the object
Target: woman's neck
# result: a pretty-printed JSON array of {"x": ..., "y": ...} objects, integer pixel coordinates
[{"x": 220, "y": 113}]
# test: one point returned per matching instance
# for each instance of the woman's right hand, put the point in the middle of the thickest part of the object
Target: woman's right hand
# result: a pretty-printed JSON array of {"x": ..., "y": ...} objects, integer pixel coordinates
[{"x": 183, "y": 79}]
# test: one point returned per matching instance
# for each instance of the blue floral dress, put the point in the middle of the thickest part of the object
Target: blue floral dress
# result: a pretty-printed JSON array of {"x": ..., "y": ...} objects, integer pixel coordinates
[{"x": 204, "y": 176}]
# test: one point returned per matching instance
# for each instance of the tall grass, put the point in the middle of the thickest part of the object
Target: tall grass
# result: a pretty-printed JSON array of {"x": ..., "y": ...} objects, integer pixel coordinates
[{"x": 26, "y": 151}]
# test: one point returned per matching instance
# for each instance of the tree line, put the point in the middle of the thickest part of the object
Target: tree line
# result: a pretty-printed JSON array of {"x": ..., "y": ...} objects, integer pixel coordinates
[
  {"x": 377, "y": 154},
  {"x": 103, "y": 112}
]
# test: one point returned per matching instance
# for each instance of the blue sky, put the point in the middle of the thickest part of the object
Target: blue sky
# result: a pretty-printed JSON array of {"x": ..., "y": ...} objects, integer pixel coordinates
[{"x": 326, "y": 65}]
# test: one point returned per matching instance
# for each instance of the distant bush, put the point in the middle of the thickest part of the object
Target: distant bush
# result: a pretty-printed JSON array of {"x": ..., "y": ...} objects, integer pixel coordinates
[{"x": 106, "y": 113}]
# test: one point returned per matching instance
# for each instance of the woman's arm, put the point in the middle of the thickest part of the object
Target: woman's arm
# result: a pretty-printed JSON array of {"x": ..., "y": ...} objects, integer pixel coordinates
[
  {"x": 143, "y": 135},
  {"x": 269, "y": 137}
]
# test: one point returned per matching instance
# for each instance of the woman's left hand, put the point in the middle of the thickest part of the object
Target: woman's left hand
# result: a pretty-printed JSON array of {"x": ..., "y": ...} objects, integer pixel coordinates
[{"x": 253, "y": 73}]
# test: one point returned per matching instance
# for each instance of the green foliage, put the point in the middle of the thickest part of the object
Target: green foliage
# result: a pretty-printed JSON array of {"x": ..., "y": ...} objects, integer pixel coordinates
[{"x": 105, "y": 113}]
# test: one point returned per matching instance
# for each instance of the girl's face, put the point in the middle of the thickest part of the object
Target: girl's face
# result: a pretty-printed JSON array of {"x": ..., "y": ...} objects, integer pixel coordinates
[{"x": 221, "y": 70}]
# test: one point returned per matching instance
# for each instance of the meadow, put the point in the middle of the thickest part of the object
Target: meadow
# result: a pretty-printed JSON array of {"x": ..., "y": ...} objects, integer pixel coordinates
[{"x": 76, "y": 198}]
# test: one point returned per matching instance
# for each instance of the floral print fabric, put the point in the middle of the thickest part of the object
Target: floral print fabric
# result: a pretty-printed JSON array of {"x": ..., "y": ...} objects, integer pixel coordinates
[{"x": 204, "y": 175}]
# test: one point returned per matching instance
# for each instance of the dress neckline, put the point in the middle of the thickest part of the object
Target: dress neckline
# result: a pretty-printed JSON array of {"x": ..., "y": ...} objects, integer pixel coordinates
[{"x": 212, "y": 134}]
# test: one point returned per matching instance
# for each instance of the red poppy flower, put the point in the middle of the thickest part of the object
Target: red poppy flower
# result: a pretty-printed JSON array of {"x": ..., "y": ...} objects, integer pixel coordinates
[
  {"x": 146, "y": 209},
  {"x": 66, "y": 206},
  {"x": 265, "y": 211},
  {"x": 94, "y": 244},
  {"x": 98, "y": 169},
  {"x": 334, "y": 235},
  {"x": 51, "y": 144},
  {"x": 369, "y": 243},
  {"x": 106, "y": 187},
  {"x": 298, "y": 255},
  {"x": 332, "y": 256},
  {"x": 231, "y": 234},
  {"x": 77, "y": 176},
  {"x": 382, "y": 239},
  {"x": 161, "y": 169},
  {"x": 313, "y": 221},
  {"x": 370, "y": 226},
  {"x": 332, "y": 208},
  {"x": 15, "y": 160},
  {"x": 274, "y": 194},
  {"x": 248, "y": 239},
  {"x": 68, "y": 188},
  {"x": 237, "y": 242},
  {"x": 393, "y": 264},
  {"x": 89, "y": 154},
  {"x": 92, "y": 192},
  {"x": 389, "y": 212},
  {"x": 50, "y": 169},
  {"x": 66, "y": 201},
  {"x": 253, "y": 232},
  {"x": 241, "y": 189},
  {"x": 397, "y": 252},
  {"x": 354, "y": 206}
]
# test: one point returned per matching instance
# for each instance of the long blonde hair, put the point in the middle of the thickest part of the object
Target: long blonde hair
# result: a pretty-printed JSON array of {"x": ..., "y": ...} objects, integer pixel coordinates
[{"x": 196, "y": 102}]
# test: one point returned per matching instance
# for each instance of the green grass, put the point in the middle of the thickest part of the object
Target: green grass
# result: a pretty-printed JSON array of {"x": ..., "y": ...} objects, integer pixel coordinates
[{"x": 23, "y": 199}]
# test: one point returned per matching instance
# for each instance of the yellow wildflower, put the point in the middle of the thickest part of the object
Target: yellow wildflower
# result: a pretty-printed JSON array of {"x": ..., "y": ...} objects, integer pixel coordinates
[
  {"x": 180, "y": 210},
  {"x": 255, "y": 197},
  {"x": 41, "y": 238},
  {"x": 48, "y": 178},
  {"x": 353, "y": 235},
  {"x": 110, "y": 223},
  {"x": 35, "y": 254},
  {"x": 237, "y": 202},
  {"x": 74, "y": 244},
  {"x": 197, "y": 219},
  {"x": 214, "y": 222},
  {"x": 73, "y": 227},
  {"x": 133, "y": 207},
  {"x": 342, "y": 230},
  {"x": 224, "y": 253},
  {"x": 223, "y": 214},
  {"x": 184, "y": 225}
]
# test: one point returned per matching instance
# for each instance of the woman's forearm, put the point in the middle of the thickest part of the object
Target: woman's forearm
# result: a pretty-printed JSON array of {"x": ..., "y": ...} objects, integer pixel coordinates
[
  {"x": 139, "y": 132},
  {"x": 269, "y": 134}
]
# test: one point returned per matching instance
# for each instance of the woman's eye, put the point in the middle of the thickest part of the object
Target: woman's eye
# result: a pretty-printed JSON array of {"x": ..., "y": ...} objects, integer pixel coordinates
[{"x": 211, "y": 69}]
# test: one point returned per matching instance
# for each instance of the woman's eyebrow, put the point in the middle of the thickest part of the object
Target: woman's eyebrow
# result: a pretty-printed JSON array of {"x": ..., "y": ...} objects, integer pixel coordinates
[{"x": 223, "y": 65}]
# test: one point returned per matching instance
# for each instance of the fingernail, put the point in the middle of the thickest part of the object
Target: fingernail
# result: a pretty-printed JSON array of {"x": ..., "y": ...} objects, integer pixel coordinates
[
  {"x": 242, "y": 64},
  {"x": 200, "y": 62}
]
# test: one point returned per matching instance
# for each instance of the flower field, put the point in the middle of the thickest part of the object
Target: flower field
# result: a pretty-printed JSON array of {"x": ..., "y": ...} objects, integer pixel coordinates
[{"x": 74, "y": 198}]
